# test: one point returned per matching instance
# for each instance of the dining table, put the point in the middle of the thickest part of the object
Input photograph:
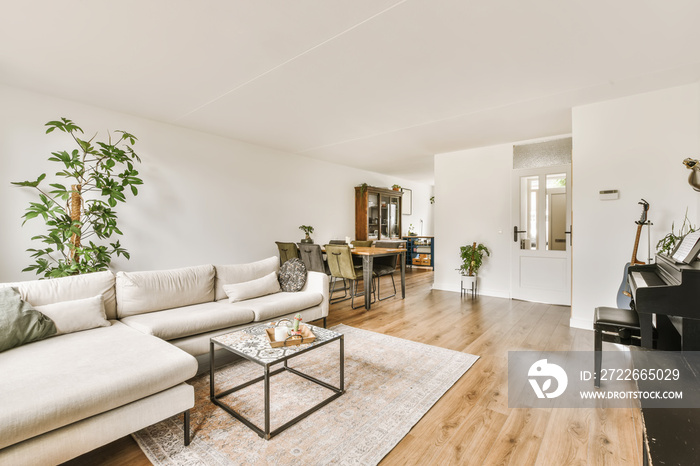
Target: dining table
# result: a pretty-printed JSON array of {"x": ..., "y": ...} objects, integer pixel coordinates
[{"x": 368, "y": 254}]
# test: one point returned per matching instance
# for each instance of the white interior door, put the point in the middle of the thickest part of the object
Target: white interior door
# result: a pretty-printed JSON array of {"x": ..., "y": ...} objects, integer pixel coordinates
[{"x": 541, "y": 259}]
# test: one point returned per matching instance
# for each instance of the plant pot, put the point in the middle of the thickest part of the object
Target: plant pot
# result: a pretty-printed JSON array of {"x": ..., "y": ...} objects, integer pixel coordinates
[
  {"x": 307, "y": 240},
  {"x": 468, "y": 279},
  {"x": 469, "y": 285}
]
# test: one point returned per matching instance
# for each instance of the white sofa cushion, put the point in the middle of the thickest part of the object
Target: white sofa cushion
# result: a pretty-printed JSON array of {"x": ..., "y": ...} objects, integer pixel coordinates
[
  {"x": 253, "y": 289},
  {"x": 61, "y": 445},
  {"x": 56, "y": 290},
  {"x": 76, "y": 315},
  {"x": 54, "y": 382},
  {"x": 237, "y": 273},
  {"x": 198, "y": 345},
  {"x": 141, "y": 292},
  {"x": 190, "y": 320},
  {"x": 274, "y": 305}
]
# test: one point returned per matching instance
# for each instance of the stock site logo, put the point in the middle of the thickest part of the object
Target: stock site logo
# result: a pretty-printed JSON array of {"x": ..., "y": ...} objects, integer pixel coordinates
[{"x": 547, "y": 372}]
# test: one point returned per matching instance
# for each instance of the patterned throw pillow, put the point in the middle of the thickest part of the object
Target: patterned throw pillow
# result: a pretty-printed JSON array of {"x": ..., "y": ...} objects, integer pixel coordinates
[{"x": 292, "y": 275}]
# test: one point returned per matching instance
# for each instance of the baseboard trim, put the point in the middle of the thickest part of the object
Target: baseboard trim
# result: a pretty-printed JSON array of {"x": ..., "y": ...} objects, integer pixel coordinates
[
  {"x": 482, "y": 292},
  {"x": 584, "y": 324}
]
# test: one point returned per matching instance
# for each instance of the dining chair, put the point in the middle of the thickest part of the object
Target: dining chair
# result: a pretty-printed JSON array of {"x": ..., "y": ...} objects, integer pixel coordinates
[
  {"x": 341, "y": 266},
  {"x": 337, "y": 241},
  {"x": 385, "y": 266},
  {"x": 362, "y": 244},
  {"x": 312, "y": 257},
  {"x": 359, "y": 244},
  {"x": 287, "y": 251}
]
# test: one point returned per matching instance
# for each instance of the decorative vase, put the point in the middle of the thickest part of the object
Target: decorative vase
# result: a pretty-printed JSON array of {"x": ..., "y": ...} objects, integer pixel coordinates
[{"x": 307, "y": 239}]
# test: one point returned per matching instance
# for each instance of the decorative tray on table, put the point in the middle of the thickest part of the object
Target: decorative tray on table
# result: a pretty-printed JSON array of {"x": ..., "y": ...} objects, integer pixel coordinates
[{"x": 307, "y": 336}]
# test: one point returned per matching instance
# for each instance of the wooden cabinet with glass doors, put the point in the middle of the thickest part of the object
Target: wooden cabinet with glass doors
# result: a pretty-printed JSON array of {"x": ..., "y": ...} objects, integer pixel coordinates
[{"x": 377, "y": 213}]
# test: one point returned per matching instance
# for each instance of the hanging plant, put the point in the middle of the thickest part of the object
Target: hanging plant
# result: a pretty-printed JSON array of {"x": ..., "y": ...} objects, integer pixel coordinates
[
  {"x": 363, "y": 188},
  {"x": 99, "y": 175}
]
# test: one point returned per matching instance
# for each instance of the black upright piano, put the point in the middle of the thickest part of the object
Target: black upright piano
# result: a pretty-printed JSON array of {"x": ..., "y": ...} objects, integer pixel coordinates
[{"x": 666, "y": 295}]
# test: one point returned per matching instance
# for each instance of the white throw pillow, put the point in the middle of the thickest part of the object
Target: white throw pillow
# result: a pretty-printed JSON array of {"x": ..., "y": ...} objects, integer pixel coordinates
[
  {"x": 253, "y": 288},
  {"x": 239, "y": 273},
  {"x": 77, "y": 315}
]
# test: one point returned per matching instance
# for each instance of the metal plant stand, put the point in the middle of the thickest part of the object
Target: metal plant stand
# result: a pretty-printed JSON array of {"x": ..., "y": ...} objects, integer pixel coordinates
[{"x": 472, "y": 286}]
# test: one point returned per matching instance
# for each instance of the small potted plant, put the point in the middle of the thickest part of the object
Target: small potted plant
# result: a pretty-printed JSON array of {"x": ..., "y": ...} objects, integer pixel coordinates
[
  {"x": 308, "y": 229},
  {"x": 668, "y": 243},
  {"x": 396, "y": 187},
  {"x": 411, "y": 231},
  {"x": 363, "y": 188},
  {"x": 472, "y": 259}
]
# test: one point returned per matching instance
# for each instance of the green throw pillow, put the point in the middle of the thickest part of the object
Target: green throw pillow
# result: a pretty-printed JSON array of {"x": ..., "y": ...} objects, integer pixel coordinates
[{"x": 20, "y": 323}]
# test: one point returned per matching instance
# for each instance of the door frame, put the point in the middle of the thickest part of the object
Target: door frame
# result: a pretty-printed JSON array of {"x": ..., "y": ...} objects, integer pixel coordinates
[{"x": 541, "y": 256}]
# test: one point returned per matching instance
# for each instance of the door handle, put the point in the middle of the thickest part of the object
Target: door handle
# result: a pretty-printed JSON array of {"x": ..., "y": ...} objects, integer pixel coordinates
[
  {"x": 515, "y": 233},
  {"x": 570, "y": 233}
]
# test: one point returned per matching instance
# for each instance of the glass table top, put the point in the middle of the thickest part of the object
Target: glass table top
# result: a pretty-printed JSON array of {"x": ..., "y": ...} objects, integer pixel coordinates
[{"x": 253, "y": 344}]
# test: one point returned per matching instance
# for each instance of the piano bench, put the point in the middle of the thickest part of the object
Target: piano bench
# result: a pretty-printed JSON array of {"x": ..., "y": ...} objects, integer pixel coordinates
[{"x": 615, "y": 326}]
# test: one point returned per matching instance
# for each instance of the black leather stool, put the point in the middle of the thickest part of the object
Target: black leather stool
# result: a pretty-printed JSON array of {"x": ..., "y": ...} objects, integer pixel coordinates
[{"x": 615, "y": 326}]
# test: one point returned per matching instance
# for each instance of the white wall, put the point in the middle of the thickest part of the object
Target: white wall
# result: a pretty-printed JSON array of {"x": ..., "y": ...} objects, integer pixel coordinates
[
  {"x": 473, "y": 203},
  {"x": 635, "y": 144},
  {"x": 205, "y": 199},
  {"x": 423, "y": 211}
]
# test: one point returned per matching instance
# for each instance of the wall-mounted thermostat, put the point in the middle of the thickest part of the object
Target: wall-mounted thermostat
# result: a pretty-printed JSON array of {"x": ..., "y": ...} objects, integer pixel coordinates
[{"x": 609, "y": 195}]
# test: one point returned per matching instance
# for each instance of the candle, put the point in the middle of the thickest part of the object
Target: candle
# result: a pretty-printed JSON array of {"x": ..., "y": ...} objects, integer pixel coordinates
[{"x": 281, "y": 332}]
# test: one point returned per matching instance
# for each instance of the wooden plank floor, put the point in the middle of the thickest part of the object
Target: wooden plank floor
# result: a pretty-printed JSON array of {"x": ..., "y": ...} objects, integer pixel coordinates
[{"x": 471, "y": 423}]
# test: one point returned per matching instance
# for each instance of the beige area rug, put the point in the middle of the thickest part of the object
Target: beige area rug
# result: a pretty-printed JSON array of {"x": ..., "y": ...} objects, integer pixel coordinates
[{"x": 390, "y": 383}]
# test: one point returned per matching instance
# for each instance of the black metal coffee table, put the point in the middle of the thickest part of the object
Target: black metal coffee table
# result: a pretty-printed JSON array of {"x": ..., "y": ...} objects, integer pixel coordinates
[{"x": 252, "y": 344}]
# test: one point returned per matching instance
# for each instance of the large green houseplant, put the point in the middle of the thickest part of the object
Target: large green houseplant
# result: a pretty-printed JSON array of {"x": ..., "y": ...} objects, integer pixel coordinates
[
  {"x": 99, "y": 175},
  {"x": 472, "y": 258}
]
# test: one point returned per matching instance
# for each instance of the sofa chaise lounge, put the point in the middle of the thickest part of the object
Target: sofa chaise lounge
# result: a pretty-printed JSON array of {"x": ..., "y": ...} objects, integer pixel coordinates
[{"x": 68, "y": 394}]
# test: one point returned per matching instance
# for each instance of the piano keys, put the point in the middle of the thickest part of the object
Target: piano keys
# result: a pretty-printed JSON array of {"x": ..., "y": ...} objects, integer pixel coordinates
[{"x": 666, "y": 295}]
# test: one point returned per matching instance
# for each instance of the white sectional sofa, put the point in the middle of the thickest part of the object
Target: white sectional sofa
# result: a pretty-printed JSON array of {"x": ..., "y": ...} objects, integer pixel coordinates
[{"x": 68, "y": 394}]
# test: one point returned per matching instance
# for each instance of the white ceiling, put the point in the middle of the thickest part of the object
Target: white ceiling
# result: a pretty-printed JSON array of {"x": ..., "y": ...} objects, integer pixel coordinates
[{"x": 380, "y": 85}]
